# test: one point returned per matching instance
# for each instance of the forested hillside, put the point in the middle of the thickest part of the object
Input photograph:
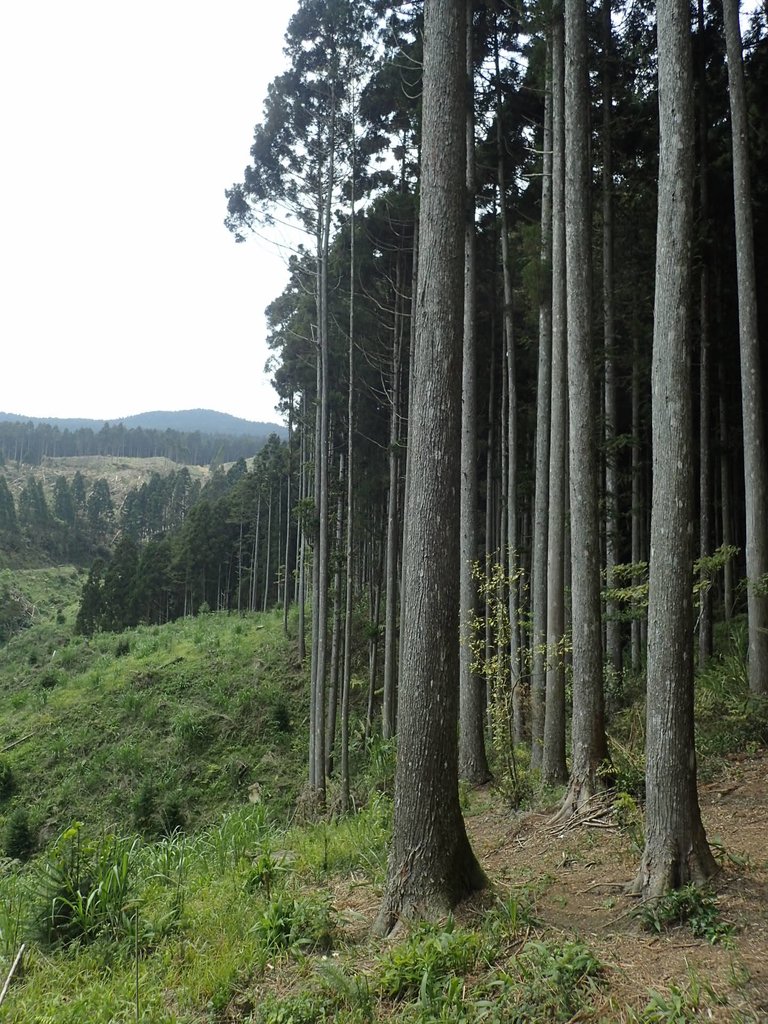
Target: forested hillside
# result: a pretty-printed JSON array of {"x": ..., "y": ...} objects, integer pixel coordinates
[
  {"x": 197, "y": 438},
  {"x": 516, "y": 539}
]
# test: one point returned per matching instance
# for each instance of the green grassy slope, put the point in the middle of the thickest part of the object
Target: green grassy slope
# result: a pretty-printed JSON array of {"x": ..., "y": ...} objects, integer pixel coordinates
[{"x": 149, "y": 729}]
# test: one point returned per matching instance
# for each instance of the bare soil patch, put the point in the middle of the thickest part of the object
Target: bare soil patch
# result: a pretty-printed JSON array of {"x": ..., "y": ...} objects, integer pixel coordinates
[{"x": 578, "y": 879}]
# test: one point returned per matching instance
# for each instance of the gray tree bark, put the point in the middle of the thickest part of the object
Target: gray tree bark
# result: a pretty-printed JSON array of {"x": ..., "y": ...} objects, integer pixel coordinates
[
  {"x": 346, "y": 678},
  {"x": 431, "y": 863},
  {"x": 637, "y": 504},
  {"x": 725, "y": 502},
  {"x": 676, "y": 850},
  {"x": 553, "y": 768},
  {"x": 510, "y": 553},
  {"x": 589, "y": 747},
  {"x": 705, "y": 373},
  {"x": 388, "y": 708},
  {"x": 613, "y": 645},
  {"x": 543, "y": 412},
  {"x": 473, "y": 763},
  {"x": 755, "y": 470}
]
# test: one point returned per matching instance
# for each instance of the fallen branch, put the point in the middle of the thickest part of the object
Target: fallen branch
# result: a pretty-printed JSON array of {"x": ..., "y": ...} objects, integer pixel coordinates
[
  {"x": 15, "y": 743},
  {"x": 15, "y": 964}
]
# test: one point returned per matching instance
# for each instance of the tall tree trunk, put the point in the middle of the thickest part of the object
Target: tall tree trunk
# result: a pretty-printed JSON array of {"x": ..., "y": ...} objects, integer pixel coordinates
[
  {"x": 473, "y": 764},
  {"x": 388, "y": 708},
  {"x": 543, "y": 414},
  {"x": 705, "y": 402},
  {"x": 431, "y": 864},
  {"x": 510, "y": 554},
  {"x": 490, "y": 536},
  {"x": 301, "y": 581},
  {"x": 346, "y": 683},
  {"x": 255, "y": 557},
  {"x": 269, "y": 551},
  {"x": 333, "y": 675},
  {"x": 636, "y": 500},
  {"x": 755, "y": 470},
  {"x": 315, "y": 714},
  {"x": 613, "y": 646},
  {"x": 589, "y": 746},
  {"x": 553, "y": 768},
  {"x": 286, "y": 571},
  {"x": 676, "y": 850},
  {"x": 321, "y": 554},
  {"x": 373, "y": 647}
]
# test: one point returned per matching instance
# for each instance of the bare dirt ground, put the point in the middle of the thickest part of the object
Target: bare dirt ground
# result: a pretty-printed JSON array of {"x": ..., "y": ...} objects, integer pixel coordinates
[{"x": 579, "y": 876}]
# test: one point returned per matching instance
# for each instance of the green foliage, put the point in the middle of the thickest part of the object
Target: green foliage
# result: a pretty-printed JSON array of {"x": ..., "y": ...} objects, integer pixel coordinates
[
  {"x": 629, "y": 817},
  {"x": 728, "y": 716},
  {"x": 493, "y": 665},
  {"x": 193, "y": 728},
  {"x": 231, "y": 841},
  {"x": 295, "y": 923},
  {"x": 356, "y": 842},
  {"x": 18, "y": 837},
  {"x": 83, "y": 888},
  {"x": 682, "y": 1004},
  {"x": 379, "y": 769},
  {"x": 627, "y": 589},
  {"x": 425, "y": 959},
  {"x": 706, "y": 568},
  {"x": 689, "y": 905},
  {"x": 547, "y": 981},
  {"x": 16, "y": 612},
  {"x": 147, "y": 731},
  {"x": 263, "y": 873},
  {"x": 509, "y": 915},
  {"x": 627, "y": 769},
  {"x": 7, "y": 778}
]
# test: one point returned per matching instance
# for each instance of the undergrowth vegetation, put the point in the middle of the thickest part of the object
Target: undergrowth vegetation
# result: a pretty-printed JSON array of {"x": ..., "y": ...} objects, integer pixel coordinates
[
  {"x": 155, "y": 870},
  {"x": 152, "y": 730}
]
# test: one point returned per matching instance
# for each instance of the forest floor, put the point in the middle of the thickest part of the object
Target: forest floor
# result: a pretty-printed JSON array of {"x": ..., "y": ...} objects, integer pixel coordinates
[
  {"x": 576, "y": 878},
  {"x": 579, "y": 877}
]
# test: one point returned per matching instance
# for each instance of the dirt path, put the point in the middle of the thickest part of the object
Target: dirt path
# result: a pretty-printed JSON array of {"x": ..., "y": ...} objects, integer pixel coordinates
[{"x": 577, "y": 880}]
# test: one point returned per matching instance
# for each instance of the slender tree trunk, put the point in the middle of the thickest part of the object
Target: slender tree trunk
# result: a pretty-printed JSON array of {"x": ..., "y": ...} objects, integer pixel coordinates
[
  {"x": 705, "y": 402},
  {"x": 315, "y": 715},
  {"x": 553, "y": 768},
  {"x": 348, "y": 593},
  {"x": 490, "y": 538},
  {"x": 289, "y": 474},
  {"x": 676, "y": 850},
  {"x": 637, "y": 512},
  {"x": 473, "y": 764},
  {"x": 255, "y": 558},
  {"x": 333, "y": 675},
  {"x": 755, "y": 456},
  {"x": 269, "y": 552},
  {"x": 589, "y": 746},
  {"x": 613, "y": 644},
  {"x": 725, "y": 502},
  {"x": 320, "y": 636},
  {"x": 373, "y": 650},
  {"x": 388, "y": 709},
  {"x": 301, "y": 583},
  {"x": 543, "y": 414},
  {"x": 240, "y": 565},
  {"x": 431, "y": 865},
  {"x": 509, "y": 553}
]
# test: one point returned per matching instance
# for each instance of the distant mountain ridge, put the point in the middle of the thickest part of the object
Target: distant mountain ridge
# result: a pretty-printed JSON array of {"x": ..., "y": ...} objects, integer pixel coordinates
[{"x": 204, "y": 421}]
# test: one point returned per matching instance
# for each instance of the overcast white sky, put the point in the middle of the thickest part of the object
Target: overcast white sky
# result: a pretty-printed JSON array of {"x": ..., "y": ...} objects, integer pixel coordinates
[{"x": 121, "y": 125}]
